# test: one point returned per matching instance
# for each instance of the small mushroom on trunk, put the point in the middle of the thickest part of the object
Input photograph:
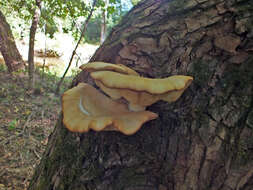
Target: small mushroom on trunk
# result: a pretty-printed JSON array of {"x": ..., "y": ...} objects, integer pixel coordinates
[
  {"x": 85, "y": 108},
  {"x": 140, "y": 91}
]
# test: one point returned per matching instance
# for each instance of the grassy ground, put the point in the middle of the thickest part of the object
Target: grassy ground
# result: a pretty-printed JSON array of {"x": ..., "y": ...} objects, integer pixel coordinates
[{"x": 26, "y": 120}]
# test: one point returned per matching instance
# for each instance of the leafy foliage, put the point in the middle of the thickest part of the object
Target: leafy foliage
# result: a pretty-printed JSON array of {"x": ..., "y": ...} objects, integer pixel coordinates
[
  {"x": 135, "y": 2},
  {"x": 65, "y": 16},
  {"x": 115, "y": 10}
]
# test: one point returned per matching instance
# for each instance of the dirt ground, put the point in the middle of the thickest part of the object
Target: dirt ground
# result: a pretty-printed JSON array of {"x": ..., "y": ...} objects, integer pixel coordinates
[{"x": 26, "y": 120}]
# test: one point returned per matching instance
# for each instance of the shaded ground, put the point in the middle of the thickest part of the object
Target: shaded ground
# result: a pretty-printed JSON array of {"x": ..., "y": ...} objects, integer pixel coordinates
[{"x": 26, "y": 120}]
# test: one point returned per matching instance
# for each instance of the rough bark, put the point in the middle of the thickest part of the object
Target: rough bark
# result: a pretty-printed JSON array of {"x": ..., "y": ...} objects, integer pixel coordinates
[
  {"x": 202, "y": 141},
  {"x": 33, "y": 29},
  {"x": 8, "y": 47}
]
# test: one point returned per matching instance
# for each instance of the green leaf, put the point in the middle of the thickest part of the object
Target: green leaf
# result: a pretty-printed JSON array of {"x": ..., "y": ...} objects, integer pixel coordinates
[
  {"x": 112, "y": 1},
  {"x": 111, "y": 10},
  {"x": 12, "y": 125}
]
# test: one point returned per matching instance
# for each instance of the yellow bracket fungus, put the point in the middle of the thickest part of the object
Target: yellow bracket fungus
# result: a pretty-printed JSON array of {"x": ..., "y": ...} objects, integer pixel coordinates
[
  {"x": 85, "y": 108},
  {"x": 102, "y": 66},
  {"x": 140, "y": 91}
]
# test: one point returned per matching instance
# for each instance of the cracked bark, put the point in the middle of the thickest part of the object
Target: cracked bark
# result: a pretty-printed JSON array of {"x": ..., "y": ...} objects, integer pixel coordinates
[
  {"x": 8, "y": 48},
  {"x": 202, "y": 141}
]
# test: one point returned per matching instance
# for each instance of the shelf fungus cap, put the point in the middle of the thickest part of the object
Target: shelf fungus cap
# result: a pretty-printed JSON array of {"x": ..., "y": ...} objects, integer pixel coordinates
[
  {"x": 85, "y": 108},
  {"x": 102, "y": 66},
  {"x": 140, "y": 91}
]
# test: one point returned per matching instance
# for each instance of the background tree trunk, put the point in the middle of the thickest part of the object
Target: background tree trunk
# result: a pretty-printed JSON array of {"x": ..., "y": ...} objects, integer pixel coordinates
[
  {"x": 8, "y": 48},
  {"x": 202, "y": 141},
  {"x": 35, "y": 22},
  {"x": 103, "y": 23},
  {"x": 103, "y": 27}
]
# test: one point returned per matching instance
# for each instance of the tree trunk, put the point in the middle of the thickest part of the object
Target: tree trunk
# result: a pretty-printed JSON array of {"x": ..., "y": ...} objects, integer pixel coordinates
[
  {"x": 8, "y": 48},
  {"x": 202, "y": 141},
  {"x": 35, "y": 21},
  {"x": 103, "y": 27},
  {"x": 103, "y": 23}
]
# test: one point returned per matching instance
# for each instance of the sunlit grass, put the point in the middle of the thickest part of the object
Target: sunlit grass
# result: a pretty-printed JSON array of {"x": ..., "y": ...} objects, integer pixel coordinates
[{"x": 64, "y": 45}]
